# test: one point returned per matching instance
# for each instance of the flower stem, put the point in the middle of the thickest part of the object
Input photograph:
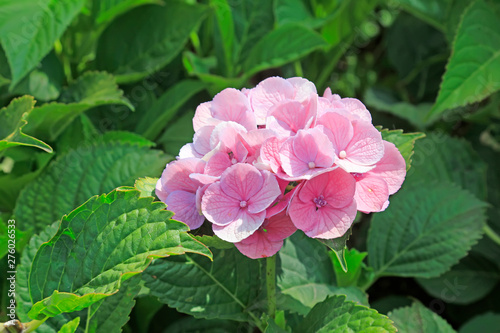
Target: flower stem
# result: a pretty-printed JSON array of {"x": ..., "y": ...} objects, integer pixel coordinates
[
  {"x": 271, "y": 286},
  {"x": 491, "y": 234},
  {"x": 33, "y": 325}
]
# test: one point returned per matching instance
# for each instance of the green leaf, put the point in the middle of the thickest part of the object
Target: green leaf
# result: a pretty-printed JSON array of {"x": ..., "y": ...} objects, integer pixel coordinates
[
  {"x": 354, "y": 263},
  {"x": 178, "y": 134},
  {"x": 485, "y": 323},
  {"x": 337, "y": 245},
  {"x": 91, "y": 169},
  {"x": 104, "y": 11},
  {"x": 295, "y": 11},
  {"x": 474, "y": 65},
  {"x": 403, "y": 141},
  {"x": 226, "y": 288},
  {"x": 276, "y": 48},
  {"x": 383, "y": 101},
  {"x": 70, "y": 327},
  {"x": 439, "y": 156},
  {"x": 468, "y": 281},
  {"x": 347, "y": 18},
  {"x": 419, "y": 319},
  {"x": 135, "y": 45},
  {"x": 166, "y": 108},
  {"x": 433, "y": 13},
  {"x": 29, "y": 28},
  {"x": 90, "y": 90},
  {"x": 225, "y": 25},
  {"x": 146, "y": 186},
  {"x": 13, "y": 118},
  {"x": 98, "y": 246},
  {"x": 193, "y": 325},
  {"x": 214, "y": 242},
  {"x": 427, "y": 228},
  {"x": 335, "y": 314}
]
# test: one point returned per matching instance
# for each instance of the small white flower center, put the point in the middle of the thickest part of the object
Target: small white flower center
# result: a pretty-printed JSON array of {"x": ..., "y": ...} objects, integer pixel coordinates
[
  {"x": 342, "y": 154},
  {"x": 243, "y": 204},
  {"x": 234, "y": 161},
  {"x": 311, "y": 165}
]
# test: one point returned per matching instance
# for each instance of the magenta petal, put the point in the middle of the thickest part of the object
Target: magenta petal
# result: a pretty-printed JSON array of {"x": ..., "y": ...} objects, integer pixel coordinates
[
  {"x": 266, "y": 195},
  {"x": 183, "y": 204},
  {"x": 391, "y": 168},
  {"x": 371, "y": 193},
  {"x": 256, "y": 246},
  {"x": 241, "y": 181},
  {"x": 278, "y": 227},
  {"x": 218, "y": 207},
  {"x": 241, "y": 228}
]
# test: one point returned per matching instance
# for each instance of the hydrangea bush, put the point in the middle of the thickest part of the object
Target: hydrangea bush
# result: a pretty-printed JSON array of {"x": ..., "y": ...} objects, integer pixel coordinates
[{"x": 278, "y": 157}]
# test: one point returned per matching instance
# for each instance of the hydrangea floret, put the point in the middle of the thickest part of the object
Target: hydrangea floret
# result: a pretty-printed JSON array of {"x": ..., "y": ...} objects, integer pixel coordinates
[{"x": 269, "y": 160}]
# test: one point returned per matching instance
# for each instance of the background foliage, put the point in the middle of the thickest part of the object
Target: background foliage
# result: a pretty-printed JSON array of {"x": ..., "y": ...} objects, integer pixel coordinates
[{"x": 98, "y": 93}]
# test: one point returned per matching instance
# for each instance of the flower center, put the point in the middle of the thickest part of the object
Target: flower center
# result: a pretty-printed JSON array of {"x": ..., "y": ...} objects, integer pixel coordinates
[
  {"x": 357, "y": 175},
  {"x": 243, "y": 204},
  {"x": 320, "y": 202},
  {"x": 234, "y": 161},
  {"x": 311, "y": 165},
  {"x": 342, "y": 154}
]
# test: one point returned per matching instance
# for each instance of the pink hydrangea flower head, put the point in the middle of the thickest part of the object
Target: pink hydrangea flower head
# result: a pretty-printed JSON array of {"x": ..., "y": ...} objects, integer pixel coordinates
[
  {"x": 268, "y": 239},
  {"x": 324, "y": 206},
  {"x": 237, "y": 204},
  {"x": 307, "y": 154},
  {"x": 178, "y": 190},
  {"x": 289, "y": 117},
  {"x": 374, "y": 187},
  {"x": 357, "y": 144}
]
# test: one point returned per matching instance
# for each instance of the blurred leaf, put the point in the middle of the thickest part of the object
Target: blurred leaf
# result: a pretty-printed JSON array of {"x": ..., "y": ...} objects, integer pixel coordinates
[
  {"x": 419, "y": 319},
  {"x": 166, "y": 107},
  {"x": 145, "y": 309},
  {"x": 193, "y": 325},
  {"x": 427, "y": 228},
  {"x": 91, "y": 169},
  {"x": 29, "y": 28},
  {"x": 474, "y": 66},
  {"x": 92, "y": 229},
  {"x": 296, "y": 11},
  {"x": 13, "y": 118},
  {"x": 439, "y": 156},
  {"x": 335, "y": 314},
  {"x": 146, "y": 186},
  {"x": 104, "y": 11},
  {"x": 178, "y": 134},
  {"x": 225, "y": 25},
  {"x": 44, "y": 82},
  {"x": 276, "y": 48},
  {"x": 90, "y": 90},
  {"x": 135, "y": 45},
  {"x": 403, "y": 141},
  {"x": 485, "y": 323},
  {"x": 71, "y": 326},
  {"x": 433, "y": 12},
  {"x": 226, "y": 288},
  {"x": 383, "y": 101},
  {"x": 468, "y": 281}
]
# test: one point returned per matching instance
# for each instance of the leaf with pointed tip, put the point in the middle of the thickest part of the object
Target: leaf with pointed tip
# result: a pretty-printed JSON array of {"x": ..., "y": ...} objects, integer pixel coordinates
[
  {"x": 93, "y": 168},
  {"x": 71, "y": 326},
  {"x": 419, "y": 319},
  {"x": 226, "y": 288},
  {"x": 90, "y": 90},
  {"x": 104, "y": 11},
  {"x": 13, "y": 118},
  {"x": 428, "y": 228},
  {"x": 337, "y": 245},
  {"x": 474, "y": 66},
  {"x": 146, "y": 186},
  {"x": 336, "y": 314},
  {"x": 403, "y": 141},
  {"x": 98, "y": 246}
]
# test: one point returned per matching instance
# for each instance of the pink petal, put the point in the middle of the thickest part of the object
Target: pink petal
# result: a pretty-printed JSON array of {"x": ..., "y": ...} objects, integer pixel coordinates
[
  {"x": 341, "y": 130},
  {"x": 201, "y": 140},
  {"x": 183, "y": 204},
  {"x": 349, "y": 166},
  {"x": 371, "y": 194},
  {"x": 241, "y": 228},
  {"x": 269, "y": 152},
  {"x": 278, "y": 227},
  {"x": 340, "y": 189},
  {"x": 303, "y": 88},
  {"x": 188, "y": 151},
  {"x": 217, "y": 164},
  {"x": 332, "y": 222},
  {"x": 266, "y": 195},
  {"x": 176, "y": 175},
  {"x": 226, "y": 134},
  {"x": 218, "y": 207},
  {"x": 203, "y": 116},
  {"x": 255, "y": 246},
  {"x": 391, "y": 168},
  {"x": 290, "y": 117},
  {"x": 355, "y": 107},
  {"x": 232, "y": 105},
  {"x": 242, "y": 181},
  {"x": 161, "y": 193},
  {"x": 269, "y": 93},
  {"x": 366, "y": 147},
  {"x": 291, "y": 164},
  {"x": 280, "y": 203}
]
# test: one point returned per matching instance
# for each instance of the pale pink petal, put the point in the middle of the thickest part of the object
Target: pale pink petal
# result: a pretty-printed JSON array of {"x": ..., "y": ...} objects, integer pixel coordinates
[
  {"x": 232, "y": 105},
  {"x": 176, "y": 175},
  {"x": 290, "y": 117},
  {"x": 269, "y": 93},
  {"x": 366, "y": 146},
  {"x": 183, "y": 204},
  {"x": 200, "y": 192},
  {"x": 188, "y": 151},
  {"x": 204, "y": 179},
  {"x": 269, "y": 152},
  {"x": 357, "y": 108},
  {"x": 253, "y": 141},
  {"x": 349, "y": 166},
  {"x": 291, "y": 164},
  {"x": 266, "y": 195},
  {"x": 341, "y": 130},
  {"x": 217, "y": 164},
  {"x": 203, "y": 116},
  {"x": 331, "y": 97},
  {"x": 391, "y": 168},
  {"x": 242, "y": 181},
  {"x": 332, "y": 222},
  {"x": 303, "y": 88},
  {"x": 226, "y": 135},
  {"x": 324, "y": 152},
  {"x": 305, "y": 147},
  {"x": 256, "y": 246},
  {"x": 201, "y": 140},
  {"x": 244, "y": 226},
  {"x": 160, "y": 191},
  {"x": 371, "y": 193},
  {"x": 218, "y": 207}
]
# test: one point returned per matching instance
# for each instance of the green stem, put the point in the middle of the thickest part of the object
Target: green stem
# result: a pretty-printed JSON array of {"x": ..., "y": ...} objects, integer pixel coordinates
[
  {"x": 33, "y": 325},
  {"x": 271, "y": 286},
  {"x": 298, "y": 69},
  {"x": 491, "y": 234}
]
